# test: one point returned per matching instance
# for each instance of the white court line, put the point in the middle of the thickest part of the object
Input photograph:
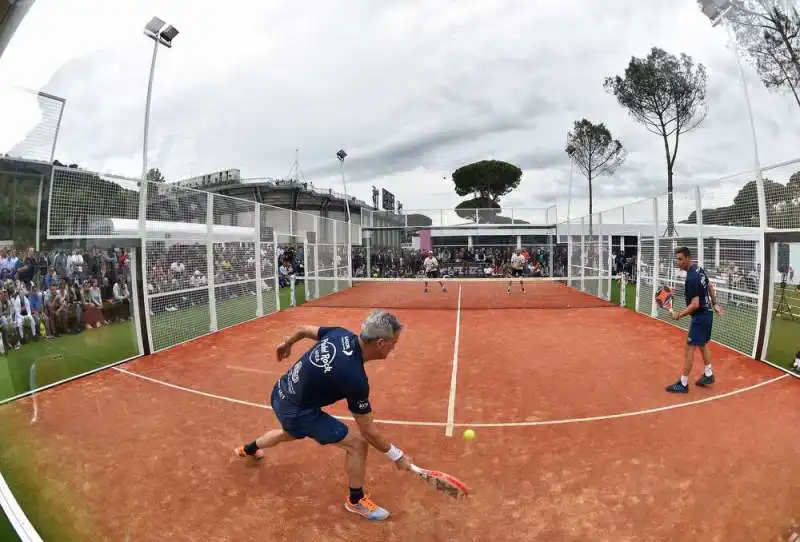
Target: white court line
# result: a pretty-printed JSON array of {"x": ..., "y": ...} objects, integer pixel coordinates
[
  {"x": 479, "y": 424},
  {"x": 451, "y": 403},
  {"x": 259, "y": 405}
]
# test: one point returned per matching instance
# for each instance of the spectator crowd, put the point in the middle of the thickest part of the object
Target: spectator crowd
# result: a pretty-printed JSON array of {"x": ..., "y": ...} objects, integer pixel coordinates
[{"x": 50, "y": 293}]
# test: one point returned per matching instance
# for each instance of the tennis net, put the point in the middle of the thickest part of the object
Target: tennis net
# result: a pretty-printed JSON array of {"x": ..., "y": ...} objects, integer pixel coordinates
[{"x": 466, "y": 293}]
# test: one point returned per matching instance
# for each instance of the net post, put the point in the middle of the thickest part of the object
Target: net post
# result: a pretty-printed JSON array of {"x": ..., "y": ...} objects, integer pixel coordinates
[
  {"x": 638, "y": 270},
  {"x": 276, "y": 263},
  {"x": 583, "y": 254},
  {"x": 257, "y": 258},
  {"x": 134, "y": 304},
  {"x": 212, "y": 291},
  {"x": 656, "y": 259},
  {"x": 698, "y": 202},
  {"x": 550, "y": 249}
]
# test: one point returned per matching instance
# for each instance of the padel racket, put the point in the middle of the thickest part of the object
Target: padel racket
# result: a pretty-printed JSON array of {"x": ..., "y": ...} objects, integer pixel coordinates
[
  {"x": 664, "y": 297},
  {"x": 449, "y": 485}
]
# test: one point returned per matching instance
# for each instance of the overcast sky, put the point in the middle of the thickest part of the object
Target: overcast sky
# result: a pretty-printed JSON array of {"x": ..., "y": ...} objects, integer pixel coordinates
[{"x": 411, "y": 89}]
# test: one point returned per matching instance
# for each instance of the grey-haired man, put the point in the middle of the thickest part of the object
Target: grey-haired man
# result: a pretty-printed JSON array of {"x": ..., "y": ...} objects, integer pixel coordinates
[{"x": 333, "y": 370}]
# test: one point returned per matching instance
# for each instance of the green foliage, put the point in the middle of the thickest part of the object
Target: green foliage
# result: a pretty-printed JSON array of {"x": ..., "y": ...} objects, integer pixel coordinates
[
  {"x": 770, "y": 37},
  {"x": 783, "y": 206},
  {"x": 483, "y": 211},
  {"x": 488, "y": 179},
  {"x": 667, "y": 95},
  {"x": 155, "y": 175},
  {"x": 591, "y": 148}
]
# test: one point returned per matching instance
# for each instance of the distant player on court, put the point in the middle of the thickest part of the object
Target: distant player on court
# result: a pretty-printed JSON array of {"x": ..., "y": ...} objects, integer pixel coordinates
[
  {"x": 701, "y": 302},
  {"x": 517, "y": 269},
  {"x": 332, "y": 370},
  {"x": 431, "y": 266}
]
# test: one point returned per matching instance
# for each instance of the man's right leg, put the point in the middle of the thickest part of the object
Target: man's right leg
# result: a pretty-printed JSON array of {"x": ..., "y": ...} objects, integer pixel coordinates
[{"x": 358, "y": 502}]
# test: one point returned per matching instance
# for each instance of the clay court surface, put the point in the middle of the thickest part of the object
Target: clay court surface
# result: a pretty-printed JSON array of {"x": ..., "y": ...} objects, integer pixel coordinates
[{"x": 144, "y": 451}]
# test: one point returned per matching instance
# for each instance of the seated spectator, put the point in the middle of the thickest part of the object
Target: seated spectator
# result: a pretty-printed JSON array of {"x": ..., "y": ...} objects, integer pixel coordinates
[
  {"x": 22, "y": 314},
  {"x": 55, "y": 310},
  {"x": 7, "y": 319},
  {"x": 36, "y": 301},
  {"x": 92, "y": 305},
  {"x": 122, "y": 297}
]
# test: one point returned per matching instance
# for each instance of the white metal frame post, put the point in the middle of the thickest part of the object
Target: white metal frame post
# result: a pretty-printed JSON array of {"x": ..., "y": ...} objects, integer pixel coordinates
[
  {"x": 275, "y": 265},
  {"x": 583, "y": 255},
  {"x": 610, "y": 263},
  {"x": 638, "y": 270},
  {"x": 335, "y": 261},
  {"x": 307, "y": 295},
  {"x": 761, "y": 278},
  {"x": 257, "y": 236},
  {"x": 212, "y": 290},
  {"x": 316, "y": 257},
  {"x": 699, "y": 214},
  {"x": 134, "y": 302},
  {"x": 656, "y": 259}
]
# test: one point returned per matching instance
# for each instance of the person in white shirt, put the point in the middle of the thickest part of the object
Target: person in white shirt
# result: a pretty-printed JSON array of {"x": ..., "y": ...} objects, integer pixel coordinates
[
  {"x": 517, "y": 269},
  {"x": 431, "y": 267},
  {"x": 22, "y": 314}
]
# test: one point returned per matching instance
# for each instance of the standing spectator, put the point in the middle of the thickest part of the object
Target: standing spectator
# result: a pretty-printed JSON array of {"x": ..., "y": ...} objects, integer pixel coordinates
[{"x": 27, "y": 271}]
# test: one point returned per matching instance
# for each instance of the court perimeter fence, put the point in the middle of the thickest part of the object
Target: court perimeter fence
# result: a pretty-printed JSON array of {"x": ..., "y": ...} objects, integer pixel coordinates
[{"x": 232, "y": 249}]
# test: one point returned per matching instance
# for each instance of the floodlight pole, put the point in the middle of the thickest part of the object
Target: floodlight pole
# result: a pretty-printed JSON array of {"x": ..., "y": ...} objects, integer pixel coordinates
[{"x": 147, "y": 108}]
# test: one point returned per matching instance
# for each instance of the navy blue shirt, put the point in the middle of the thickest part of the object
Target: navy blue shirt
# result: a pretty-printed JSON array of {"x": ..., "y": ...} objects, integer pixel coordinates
[
  {"x": 697, "y": 286},
  {"x": 332, "y": 370}
]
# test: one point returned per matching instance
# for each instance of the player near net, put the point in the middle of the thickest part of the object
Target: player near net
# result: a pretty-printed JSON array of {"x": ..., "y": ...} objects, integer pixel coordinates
[
  {"x": 701, "y": 303},
  {"x": 332, "y": 370},
  {"x": 431, "y": 268},
  {"x": 518, "y": 263}
]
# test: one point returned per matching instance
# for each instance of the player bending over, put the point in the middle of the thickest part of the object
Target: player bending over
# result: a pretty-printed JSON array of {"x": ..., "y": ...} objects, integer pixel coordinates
[
  {"x": 701, "y": 302},
  {"x": 332, "y": 370},
  {"x": 517, "y": 269},
  {"x": 431, "y": 266}
]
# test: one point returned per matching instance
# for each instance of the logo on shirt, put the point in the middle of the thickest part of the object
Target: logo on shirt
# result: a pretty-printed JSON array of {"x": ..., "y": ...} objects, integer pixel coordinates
[
  {"x": 363, "y": 405},
  {"x": 347, "y": 350},
  {"x": 322, "y": 355},
  {"x": 296, "y": 371}
]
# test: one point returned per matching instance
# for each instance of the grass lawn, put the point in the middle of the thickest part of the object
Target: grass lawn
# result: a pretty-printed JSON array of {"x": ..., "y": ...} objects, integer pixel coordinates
[{"x": 7, "y": 532}]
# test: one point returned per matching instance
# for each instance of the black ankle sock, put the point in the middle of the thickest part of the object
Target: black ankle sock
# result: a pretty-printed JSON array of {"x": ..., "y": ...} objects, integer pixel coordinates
[
  {"x": 250, "y": 449},
  {"x": 356, "y": 494}
]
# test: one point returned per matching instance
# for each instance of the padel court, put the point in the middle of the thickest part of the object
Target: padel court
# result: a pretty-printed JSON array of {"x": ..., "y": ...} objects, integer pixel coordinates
[{"x": 576, "y": 437}]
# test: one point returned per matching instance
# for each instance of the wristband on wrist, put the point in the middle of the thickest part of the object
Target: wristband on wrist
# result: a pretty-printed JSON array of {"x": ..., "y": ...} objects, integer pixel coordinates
[{"x": 394, "y": 453}]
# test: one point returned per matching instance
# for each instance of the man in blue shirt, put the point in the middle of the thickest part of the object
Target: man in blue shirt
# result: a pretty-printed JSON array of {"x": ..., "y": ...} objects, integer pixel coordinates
[
  {"x": 333, "y": 370},
  {"x": 701, "y": 302}
]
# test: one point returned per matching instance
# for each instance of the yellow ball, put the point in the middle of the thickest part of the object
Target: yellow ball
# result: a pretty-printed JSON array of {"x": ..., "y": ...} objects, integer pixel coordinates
[{"x": 469, "y": 434}]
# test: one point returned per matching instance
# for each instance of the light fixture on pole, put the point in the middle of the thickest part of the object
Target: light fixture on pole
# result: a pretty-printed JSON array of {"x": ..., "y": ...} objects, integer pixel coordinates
[
  {"x": 162, "y": 34},
  {"x": 341, "y": 155},
  {"x": 717, "y": 11}
]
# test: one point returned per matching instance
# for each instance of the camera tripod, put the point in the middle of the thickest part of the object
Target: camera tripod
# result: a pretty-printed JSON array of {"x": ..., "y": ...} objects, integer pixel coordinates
[{"x": 782, "y": 306}]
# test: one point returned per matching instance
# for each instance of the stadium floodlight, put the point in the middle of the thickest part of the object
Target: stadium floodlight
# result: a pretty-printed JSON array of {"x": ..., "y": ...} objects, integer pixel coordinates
[
  {"x": 717, "y": 12},
  {"x": 162, "y": 34}
]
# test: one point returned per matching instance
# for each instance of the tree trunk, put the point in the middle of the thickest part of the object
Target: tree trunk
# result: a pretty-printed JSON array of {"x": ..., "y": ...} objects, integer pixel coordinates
[
  {"x": 591, "y": 216},
  {"x": 670, "y": 206}
]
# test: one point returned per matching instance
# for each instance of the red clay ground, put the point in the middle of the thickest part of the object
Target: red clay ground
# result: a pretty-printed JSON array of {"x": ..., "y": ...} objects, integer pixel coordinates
[{"x": 153, "y": 463}]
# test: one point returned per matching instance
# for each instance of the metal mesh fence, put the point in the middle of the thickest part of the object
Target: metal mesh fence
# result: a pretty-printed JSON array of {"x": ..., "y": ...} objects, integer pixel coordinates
[{"x": 31, "y": 122}]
